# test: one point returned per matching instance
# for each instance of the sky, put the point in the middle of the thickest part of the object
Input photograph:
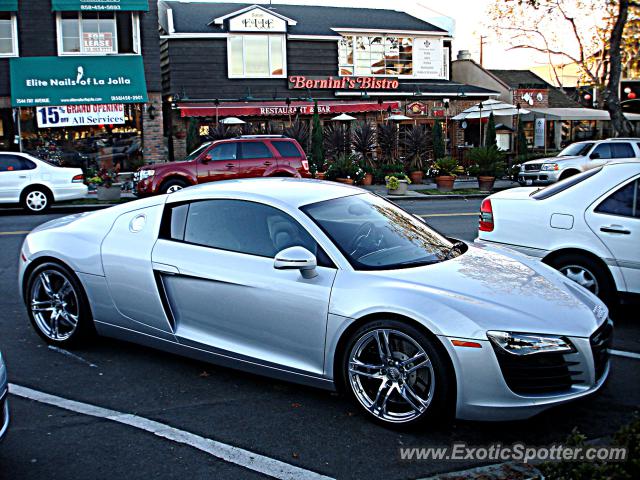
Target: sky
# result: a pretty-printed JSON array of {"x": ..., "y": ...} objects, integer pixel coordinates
[{"x": 468, "y": 16}]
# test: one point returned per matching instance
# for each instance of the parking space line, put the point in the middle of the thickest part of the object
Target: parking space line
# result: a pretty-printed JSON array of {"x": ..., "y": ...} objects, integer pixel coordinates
[
  {"x": 460, "y": 214},
  {"x": 620, "y": 353},
  {"x": 238, "y": 456},
  {"x": 17, "y": 232}
]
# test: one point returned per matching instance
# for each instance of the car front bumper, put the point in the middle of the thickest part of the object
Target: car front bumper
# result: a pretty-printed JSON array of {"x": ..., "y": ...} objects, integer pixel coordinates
[
  {"x": 483, "y": 392},
  {"x": 538, "y": 178}
]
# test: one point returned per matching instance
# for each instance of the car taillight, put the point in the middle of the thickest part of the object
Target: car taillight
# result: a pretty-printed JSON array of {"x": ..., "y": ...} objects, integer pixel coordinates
[
  {"x": 78, "y": 179},
  {"x": 305, "y": 165},
  {"x": 486, "y": 216}
]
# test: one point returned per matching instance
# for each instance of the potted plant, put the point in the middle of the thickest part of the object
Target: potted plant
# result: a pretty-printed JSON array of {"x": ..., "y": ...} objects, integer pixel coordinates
[
  {"x": 397, "y": 184},
  {"x": 487, "y": 164},
  {"x": 364, "y": 143},
  {"x": 445, "y": 169},
  {"x": 107, "y": 188},
  {"x": 345, "y": 169},
  {"x": 416, "y": 143}
]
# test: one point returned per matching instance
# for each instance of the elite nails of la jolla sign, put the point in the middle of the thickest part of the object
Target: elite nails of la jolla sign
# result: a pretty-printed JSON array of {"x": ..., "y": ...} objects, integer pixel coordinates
[{"x": 297, "y": 82}]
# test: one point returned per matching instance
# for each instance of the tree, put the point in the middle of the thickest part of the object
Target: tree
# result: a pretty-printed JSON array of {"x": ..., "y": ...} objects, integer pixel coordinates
[
  {"x": 490, "y": 136},
  {"x": 317, "y": 140},
  {"x": 599, "y": 43},
  {"x": 438, "y": 141},
  {"x": 193, "y": 135},
  {"x": 522, "y": 148}
]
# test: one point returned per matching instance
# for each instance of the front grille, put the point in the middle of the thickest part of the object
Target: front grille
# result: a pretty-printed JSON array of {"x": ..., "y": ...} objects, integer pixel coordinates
[
  {"x": 600, "y": 344},
  {"x": 532, "y": 167},
  {"x": 538, "y": 373}
]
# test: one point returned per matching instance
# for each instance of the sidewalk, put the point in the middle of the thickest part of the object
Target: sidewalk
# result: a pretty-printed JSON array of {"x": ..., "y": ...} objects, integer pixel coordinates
[{"x": 462, "y": 185}]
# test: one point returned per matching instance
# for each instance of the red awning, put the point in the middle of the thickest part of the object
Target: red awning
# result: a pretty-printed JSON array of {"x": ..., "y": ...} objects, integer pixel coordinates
[{"x": 279, "y": 108}]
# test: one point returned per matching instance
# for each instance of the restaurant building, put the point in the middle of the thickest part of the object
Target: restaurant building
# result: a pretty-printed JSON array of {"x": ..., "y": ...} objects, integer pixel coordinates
[
  {"x": 80, "y": 81},
  {"x": 268, "y": 64}
]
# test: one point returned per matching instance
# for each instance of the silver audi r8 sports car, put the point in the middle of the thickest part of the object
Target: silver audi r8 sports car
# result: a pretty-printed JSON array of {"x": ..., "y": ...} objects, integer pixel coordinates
[
  {"x": 323, "y": 284},
  {"x": 4, "y": 403}
]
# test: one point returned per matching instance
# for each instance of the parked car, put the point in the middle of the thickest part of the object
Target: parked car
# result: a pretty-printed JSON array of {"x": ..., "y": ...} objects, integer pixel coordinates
[
  {"x": 36, "y": 184},
  {"x": 578, "y": 157},
  {"x": 323, "y": 284},
  {"x": 243, "y": 157},
  {"x": 587, "y": 226},
  {"x": 4, "y": 404}
]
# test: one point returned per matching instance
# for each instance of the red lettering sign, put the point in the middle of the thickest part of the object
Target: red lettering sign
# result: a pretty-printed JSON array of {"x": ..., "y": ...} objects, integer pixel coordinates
[{"x": 297, "y": 82}]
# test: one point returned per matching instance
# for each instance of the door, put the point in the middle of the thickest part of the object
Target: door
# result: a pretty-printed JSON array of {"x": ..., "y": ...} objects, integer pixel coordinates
[
  {"x": 255, "y": 159},
  {"x": 227, "y": 297},
  {"x": 616, "y": 221},
  {"x": 219, "y": 163},
  {"x": 290, "y": 156},
  {"x": 599, "y": 156},
  {"x": 15, "y": 175}
]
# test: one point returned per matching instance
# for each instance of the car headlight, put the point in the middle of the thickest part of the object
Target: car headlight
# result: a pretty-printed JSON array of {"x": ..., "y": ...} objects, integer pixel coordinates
[
  {"x": 550, "y": 166},
  {"x": 146, "y": 174},
  {"x": 529, "y": 343}
]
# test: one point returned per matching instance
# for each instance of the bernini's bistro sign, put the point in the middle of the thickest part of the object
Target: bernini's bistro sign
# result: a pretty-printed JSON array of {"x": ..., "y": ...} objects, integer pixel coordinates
[
  {"x": 342, "y": 83},
  {"x": 44, "y": 81}
]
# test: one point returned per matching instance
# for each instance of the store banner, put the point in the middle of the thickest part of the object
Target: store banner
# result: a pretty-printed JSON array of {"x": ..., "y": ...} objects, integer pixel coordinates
[
  {"x": 8, "y": 5},
  {"x": 77, "y": 115},
  {"x": 100, "y": 5},
  {"x": 52, "y": 81},
  {"x": 539, "y": 132}
]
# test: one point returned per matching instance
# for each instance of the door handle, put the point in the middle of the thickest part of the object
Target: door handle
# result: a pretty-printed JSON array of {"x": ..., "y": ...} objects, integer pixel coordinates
[
  {"x": 230, "y": 165},
  {"x": 164, "y": 268},
  {"x": 615, "y": 229},
  {"x": 22, "y": 176},
  {"x": 267, "y": 163}
]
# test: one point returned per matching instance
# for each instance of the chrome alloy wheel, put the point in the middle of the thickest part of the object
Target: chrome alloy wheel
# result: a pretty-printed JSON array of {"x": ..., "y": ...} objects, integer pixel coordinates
[
  {"x": 54, "y": 305},
  {"x": 582, "y": 276},
  {"x": 36, "y": 201},
  {"x": 174, "y": 189},
  {"x": 391, "y": 375}
]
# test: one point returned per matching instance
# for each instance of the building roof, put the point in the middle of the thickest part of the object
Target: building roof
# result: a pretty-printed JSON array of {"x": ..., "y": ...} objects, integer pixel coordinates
[
  {"x": 527, "y": 79},
  {"x": 198, "y": 17}
]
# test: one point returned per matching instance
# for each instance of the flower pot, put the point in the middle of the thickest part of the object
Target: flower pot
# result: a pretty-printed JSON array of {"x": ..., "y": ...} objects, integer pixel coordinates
[
  {"x": 416, "y": 177},
  {"x": 368, "y": 179},
  {"x": 403, "y": 186},
  {"x": 107, "y": 194},
  {"x": 319, "y": 175},
  {"x": 445, "y": 183},
  {"x": 348, "y": 181},
  {"x": 485, "y": 184}
]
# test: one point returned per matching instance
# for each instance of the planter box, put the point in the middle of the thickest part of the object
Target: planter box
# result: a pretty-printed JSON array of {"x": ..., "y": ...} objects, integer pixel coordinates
[
  {"x": 109, "y": 194},
  {"x": 403, "y": 186}
]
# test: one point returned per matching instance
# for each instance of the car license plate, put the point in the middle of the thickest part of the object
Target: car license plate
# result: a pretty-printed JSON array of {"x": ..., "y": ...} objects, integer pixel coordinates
[{"x": 528, "y": 182}]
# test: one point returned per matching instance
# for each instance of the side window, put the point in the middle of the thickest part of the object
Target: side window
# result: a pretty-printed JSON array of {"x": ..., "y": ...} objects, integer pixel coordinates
[
  {"x": 244, "y": 227},
  {"x": 11, "y": 163},
  {"x": 622, "y": 150},
  {"x": 250, "y": 150},
  {"x": 604, "y": 150},
  {"x": 287, "y": 149},
  {"x": 224, "y": 151},
  {"x": 624, "y": 202}
]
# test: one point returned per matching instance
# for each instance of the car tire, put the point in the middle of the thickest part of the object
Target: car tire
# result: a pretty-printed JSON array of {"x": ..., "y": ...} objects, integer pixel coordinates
[
  {"x": 173, "y": 186},
  {"x": 36, "y": 200},
  {"x": 52, "y": 289},
  {"x": 399, "y": 393},
  {"x": 588, "y": 273}
]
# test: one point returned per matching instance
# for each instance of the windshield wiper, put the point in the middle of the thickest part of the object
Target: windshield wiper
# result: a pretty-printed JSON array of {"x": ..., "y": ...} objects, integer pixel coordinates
[{"x": 454, "y": 247}]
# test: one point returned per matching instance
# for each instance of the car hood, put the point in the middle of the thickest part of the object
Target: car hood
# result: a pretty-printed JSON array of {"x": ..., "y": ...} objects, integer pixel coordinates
[
  {"x": 504, "y": 290},
  {"x": 553, "y": 159}
]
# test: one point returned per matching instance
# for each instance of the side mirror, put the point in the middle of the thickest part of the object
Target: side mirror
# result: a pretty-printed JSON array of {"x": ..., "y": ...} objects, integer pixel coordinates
[
  {"x": 594, "y": 156},
  {"x": 297, "y": 258},
  {"x": 207, "y": 158}
]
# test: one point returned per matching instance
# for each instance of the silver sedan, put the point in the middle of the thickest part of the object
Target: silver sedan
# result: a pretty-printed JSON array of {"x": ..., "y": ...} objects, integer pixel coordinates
[
  {"x": 326, "y": 285},
  {"x": 4, "y": 404}
]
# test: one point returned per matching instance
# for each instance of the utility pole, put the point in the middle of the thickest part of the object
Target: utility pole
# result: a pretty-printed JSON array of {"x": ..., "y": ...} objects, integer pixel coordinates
[{"x": 482, "y": 43}]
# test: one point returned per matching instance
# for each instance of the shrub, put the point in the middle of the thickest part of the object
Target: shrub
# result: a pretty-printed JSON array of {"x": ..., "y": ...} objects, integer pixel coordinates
[
  {"x": 487, "y": 161},
  {"x": 416, "y": 142},
  {"x": 445, "y": 166},
  {"x": 345, "y": 165}
]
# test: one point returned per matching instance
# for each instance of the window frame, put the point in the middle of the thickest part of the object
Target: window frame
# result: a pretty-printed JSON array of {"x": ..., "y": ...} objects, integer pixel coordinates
[
  {"x": 240, "y": 152},
  {"x": 135, "y": 36},
  {"x": 14, "y": 38},
  {"x": 635, "y": 213},
  {"x": 384, "y": 37},
  {"x": 282, "y": 36}
]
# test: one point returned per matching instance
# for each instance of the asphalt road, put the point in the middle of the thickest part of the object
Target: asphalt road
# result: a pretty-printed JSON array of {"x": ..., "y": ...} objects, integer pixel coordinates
[{"x": 311, "y": 429}]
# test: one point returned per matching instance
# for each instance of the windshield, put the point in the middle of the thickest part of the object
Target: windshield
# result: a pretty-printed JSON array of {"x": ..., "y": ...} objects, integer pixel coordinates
[
  {"x": 576, "y": 150},
  {"x": 196, "y": 153},
  {"x": 374, "y": 234}
]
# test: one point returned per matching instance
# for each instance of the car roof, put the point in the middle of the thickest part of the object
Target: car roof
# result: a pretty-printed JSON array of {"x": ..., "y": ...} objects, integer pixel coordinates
[{"x": 294, "y": 192}]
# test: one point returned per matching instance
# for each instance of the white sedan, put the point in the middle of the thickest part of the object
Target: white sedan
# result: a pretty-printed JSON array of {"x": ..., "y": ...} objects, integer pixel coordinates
[
  {"x": 36, "y": 184},
  {"x": 587, "y": 226}
]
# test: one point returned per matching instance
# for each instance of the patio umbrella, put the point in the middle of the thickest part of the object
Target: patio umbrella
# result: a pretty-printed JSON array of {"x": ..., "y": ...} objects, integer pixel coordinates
[
  {"x": 232, "y": 121},
  {"x": 343, "y": 117},
  {"x": 398, "y": 118},
  {"x": 486, "y": 108}
]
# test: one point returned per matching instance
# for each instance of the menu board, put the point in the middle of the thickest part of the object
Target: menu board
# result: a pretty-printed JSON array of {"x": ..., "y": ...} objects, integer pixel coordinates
[{"x": 428, "y": 58}]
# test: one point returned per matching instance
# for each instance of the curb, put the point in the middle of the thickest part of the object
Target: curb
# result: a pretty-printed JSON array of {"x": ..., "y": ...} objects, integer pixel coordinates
[
  {"x": 500, "y": 471},
  {"x": 423, "y": 198}
]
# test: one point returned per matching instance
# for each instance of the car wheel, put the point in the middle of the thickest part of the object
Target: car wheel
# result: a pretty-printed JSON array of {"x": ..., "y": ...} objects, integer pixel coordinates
[
  {"x": 173, "y": 186},
  {"x": 36, "y": 200},
  {"x": 57, "y": 305},
  {"x": 589, "y": 274},
  {"x": 396, "y": 374}
]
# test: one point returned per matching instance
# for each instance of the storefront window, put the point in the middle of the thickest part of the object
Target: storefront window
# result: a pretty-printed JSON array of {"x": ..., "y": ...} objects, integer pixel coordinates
[
  {"x": 376, "y": 55},
  {"x": 98, "y": 33},
  {"x": 259, "y": 56},
  {"x": 8, "y": 37}
]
